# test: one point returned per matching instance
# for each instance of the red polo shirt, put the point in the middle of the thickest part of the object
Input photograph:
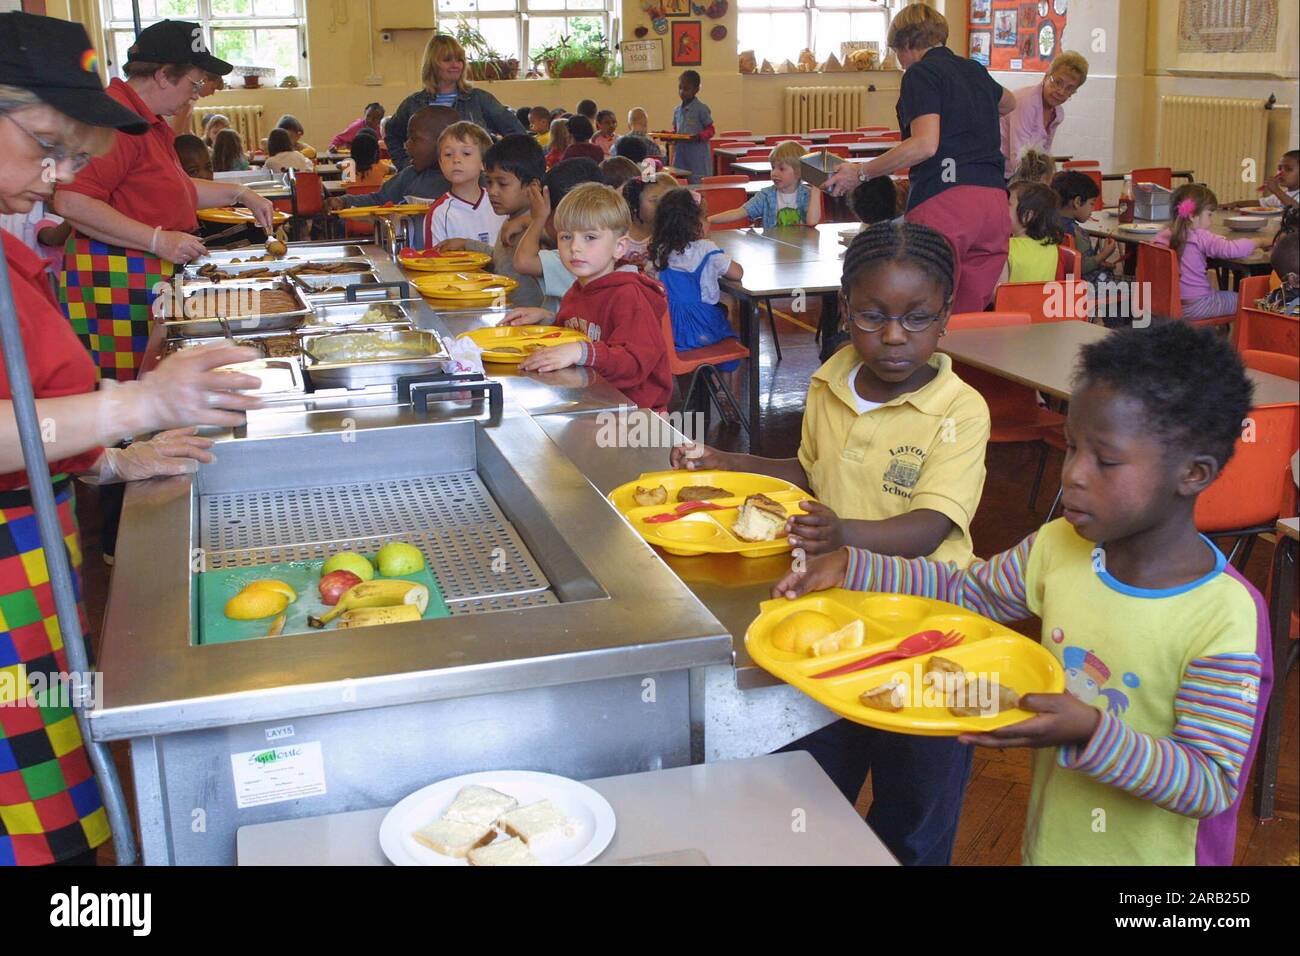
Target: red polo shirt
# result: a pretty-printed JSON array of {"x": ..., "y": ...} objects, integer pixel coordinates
[
  {"x": 140, "y": 176},
  {"x": 56, "y": 360}
]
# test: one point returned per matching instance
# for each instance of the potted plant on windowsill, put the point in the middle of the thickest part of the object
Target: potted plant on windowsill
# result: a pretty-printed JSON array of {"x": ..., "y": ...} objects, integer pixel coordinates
[
  {"x": 583, "y": 53},
  {"x": 481, "y": 61}
]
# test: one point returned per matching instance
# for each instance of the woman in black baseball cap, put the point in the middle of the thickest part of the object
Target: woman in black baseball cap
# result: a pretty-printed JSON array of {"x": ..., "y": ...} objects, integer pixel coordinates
[
  {"x": 54, "y": 117},
  {"x": 133, "y": 209}
]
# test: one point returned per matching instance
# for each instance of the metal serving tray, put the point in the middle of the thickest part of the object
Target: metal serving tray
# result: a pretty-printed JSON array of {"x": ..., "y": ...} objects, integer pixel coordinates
[
  {"x": 277, "y": 266},
  {"x": 816, "y": 167},
  {"x": 369, "y": 314},
  {"x": 315, "y": 286},
  {"x": 242, "y": 325},
  {"x": 338, "y": 361},
  {"x": 302, "y": 253}
]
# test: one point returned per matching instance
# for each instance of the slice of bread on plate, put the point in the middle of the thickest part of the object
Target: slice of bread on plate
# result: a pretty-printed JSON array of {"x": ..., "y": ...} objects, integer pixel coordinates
[
  {"x": 479, "y": 805},
  {"x": 537, "y": 823},
  {"x": 453, "y": 838},
  {"x": 512, "y": 852},
  {"x": 760, "y": 519}
]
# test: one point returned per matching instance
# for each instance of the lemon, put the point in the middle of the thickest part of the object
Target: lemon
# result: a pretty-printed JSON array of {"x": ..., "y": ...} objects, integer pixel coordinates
[
  {"x": 849, "y": 636},
  {"x": 800, "y": 630},
  {"x": 279, "y": 587},
  {"x": 252, "y": 604}
]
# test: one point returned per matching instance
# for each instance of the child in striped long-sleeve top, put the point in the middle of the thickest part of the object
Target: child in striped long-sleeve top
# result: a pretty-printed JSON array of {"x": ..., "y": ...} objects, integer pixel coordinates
[{"x": 1165, "y": 646}]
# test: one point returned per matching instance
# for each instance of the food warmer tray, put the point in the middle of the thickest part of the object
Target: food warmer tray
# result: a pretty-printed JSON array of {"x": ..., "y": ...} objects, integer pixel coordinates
[
  {"x": 330, "y": 363},
  {"x": 243, "y": 325}
]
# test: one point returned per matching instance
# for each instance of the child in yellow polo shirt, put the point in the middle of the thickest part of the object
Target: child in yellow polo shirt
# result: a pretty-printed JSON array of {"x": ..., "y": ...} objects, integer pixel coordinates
[
  {"x": 893, "y": 449},
  {"x": 1165, "y": 646}
]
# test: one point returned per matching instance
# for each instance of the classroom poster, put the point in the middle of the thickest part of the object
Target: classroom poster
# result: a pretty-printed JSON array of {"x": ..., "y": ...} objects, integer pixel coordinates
[{"x": 1016, "y": 34}]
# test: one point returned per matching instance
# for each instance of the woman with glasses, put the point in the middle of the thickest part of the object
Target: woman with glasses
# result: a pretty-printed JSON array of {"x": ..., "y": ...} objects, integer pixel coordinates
[
  {"x": 1040, "y": 109},
  {"x": 133, "y": 209},
  {"x": 54, "y": 115},
  {"x": 948, "y": 111}
]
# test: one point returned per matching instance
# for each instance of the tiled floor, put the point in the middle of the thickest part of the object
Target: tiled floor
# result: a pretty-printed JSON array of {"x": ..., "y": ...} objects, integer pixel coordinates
[{"x": 996, "y": 800}]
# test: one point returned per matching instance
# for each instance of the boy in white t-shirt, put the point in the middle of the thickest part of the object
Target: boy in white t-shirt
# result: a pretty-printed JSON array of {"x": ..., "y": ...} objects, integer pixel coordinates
[{"x": 464, "y": 211}]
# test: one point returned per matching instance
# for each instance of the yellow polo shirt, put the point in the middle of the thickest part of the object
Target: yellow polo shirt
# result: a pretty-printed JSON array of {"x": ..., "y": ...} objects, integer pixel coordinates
[{"x": 924, "y": 449}]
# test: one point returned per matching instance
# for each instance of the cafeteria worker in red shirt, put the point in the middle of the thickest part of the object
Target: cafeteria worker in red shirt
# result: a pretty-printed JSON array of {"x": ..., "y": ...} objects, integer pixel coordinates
[
  {"x": 133, "y": 208},
  {"x": 54, "y": 115}
]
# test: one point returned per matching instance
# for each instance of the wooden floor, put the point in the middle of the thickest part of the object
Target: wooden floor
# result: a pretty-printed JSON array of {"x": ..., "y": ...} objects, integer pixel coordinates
[{"x": 996, "y": 801}]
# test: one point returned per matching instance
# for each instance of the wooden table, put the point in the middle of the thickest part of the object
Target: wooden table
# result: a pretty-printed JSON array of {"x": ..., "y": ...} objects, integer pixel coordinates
[
  {"x": 1043, "y": 356},
  {"x": 1281, "y": 598}
]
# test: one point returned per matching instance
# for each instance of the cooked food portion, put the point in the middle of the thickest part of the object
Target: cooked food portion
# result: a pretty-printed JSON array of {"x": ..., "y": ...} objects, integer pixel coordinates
[
  {"x": 370, "y": 346},
  {"x": 239, "y": 303},
  {"x": 536, "y": 824},
  {"x": 214, "y": 273},
  {"x": 479, "y": 805},
  {"x": 851, "y": 635},
  {"x": 647, "y": 497},
  {"x": 701, "y": 492},
  {"x": 760, "y": 519},
  {"x": 512, "y": 852},
  {"x": 281, "y": 346},
  {"x": 276, "y": 247},
  {"x": 983, "y": 697},
  {"x": 453, "y": 838},
  {"x": 885, "y": 697}
]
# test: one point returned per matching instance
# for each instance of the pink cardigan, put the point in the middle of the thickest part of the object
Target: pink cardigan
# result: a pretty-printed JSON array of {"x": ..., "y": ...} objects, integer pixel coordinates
[{"x": 1193, "y": 280}]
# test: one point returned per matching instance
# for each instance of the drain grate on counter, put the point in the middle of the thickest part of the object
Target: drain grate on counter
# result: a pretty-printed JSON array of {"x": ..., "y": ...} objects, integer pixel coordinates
[{"x": 474, "y": 552}]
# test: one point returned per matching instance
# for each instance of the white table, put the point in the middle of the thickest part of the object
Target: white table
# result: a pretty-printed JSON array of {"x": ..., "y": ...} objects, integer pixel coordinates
[{"x": 774, "y": 810}]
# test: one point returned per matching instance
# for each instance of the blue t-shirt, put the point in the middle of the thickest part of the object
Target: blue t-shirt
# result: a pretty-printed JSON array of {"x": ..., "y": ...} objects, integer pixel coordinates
[
  {"x": 966, "y": 99},
  {"x": 766, "y": 205}
]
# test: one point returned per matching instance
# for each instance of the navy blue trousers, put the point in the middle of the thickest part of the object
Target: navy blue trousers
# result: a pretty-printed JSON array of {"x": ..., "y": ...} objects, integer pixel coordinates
[{"x": 917, "y": 783}]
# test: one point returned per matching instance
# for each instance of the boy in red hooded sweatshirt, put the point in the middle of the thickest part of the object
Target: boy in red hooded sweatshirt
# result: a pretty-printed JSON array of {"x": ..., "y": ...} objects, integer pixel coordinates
[{"x": 619, "y": 310}]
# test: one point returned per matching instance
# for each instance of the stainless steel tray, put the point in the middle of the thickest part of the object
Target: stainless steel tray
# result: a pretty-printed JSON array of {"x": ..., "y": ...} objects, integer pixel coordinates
[
  {"x": 343, "y": 360},
  {"x": 276, "y": 267},
  {"x": 816, "y": 167},
  {"x": 278, "y": 375},
  {"x": 346, "y": 315},
  {"x": 315, "y": 286},
  {"x": 254, "y": 323},
  {"x": 302, "y": 253}
]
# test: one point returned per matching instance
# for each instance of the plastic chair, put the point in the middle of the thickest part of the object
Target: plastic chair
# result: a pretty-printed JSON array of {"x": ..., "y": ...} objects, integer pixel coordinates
[
  {"x": 1160, "y": 175},
  {"x": 717, "y": 180},
  {"x": 736, "y": 132},
  {"x": 845, "y": 138},
  {"x": 1014, "y": 413},
  {"x": 1058, "y": 301},
  {"x": 1255, "y": 488},
  {"x": 770, "y": 141},
  {"x": 1158, "y": 266},
  {"x": 361, "y": 228},
  {"x": 1095, "y": 176},
  {"x": 873, "y": 129},
  {"x": 843, "y": 152},
  {"x": 828, "y": 129},
  {"x": 1259, "y": 329},
  {"x": 720, "y": 200},
  {"x": 1069, "y": 262},
  {"x": 892, "y": 134},
  {"x": 1275, "y": 363},
  {"x": 1080, "y": 164},
  {"x": 307, "y": 197},
  {"x": 701, "y": 365}
]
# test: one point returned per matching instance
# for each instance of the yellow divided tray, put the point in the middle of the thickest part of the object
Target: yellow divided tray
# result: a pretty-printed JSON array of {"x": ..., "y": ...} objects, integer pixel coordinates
[
  {"x": 706, "y": 532},
  {"x": 446, "y": 262},
  {"x": 400, "y": 209},
  {"x": 236, "y": 214},
  {"x": 464, "y": 288},
  {"x": 989, "y": 651},
  {"x": 519, "y": 340}
]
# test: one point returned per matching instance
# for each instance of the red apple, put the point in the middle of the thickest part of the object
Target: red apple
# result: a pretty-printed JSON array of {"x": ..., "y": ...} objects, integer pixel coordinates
[{"x": 334, "y": 584}]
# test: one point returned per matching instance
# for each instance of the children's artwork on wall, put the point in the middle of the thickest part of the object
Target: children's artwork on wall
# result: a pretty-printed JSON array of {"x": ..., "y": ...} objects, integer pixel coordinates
[
  {"x": 1025, "y": 36},
  {"x": 676, "y": 8},
  {"x": 687, "y": 43}
]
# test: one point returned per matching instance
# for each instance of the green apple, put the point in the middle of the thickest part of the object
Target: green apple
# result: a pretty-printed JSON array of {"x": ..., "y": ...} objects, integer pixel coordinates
[
  {"x": 397, "y": 559},
  {"x": 358, "y": 564}
]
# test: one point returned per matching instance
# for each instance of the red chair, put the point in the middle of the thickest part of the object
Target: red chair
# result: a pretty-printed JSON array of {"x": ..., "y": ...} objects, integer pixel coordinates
[
  {"x": 1069, "y": 262},
  {"x": 1095, "y": 176},
  {"x": 735, "y": 132},
  {"x": 1157, "y": 266},
  {"x": 770, "y": 141},
  {"x": 360, "y": 228},
  {"x": 1058, "y": 301},
  {"x": 841, "y": 151},
  {"x": 1257, "y": 329},
  {"x": 873, "y": 129},
  {"x": 829, "y": 129},
  {"x": 893, "y": 135},
  {"x": 1081, "y": 164},
  {"x": 1014, "y": 413},
  {"x": 845, "y": 138},
  {"x": 718, "y": 180},
  {"x": 722, "y": 199},
  {"x": 1275, "y": 363},
  {"x": 307, "y": 197},
  {"x": 700, "y": 364},
  {"x": 1160, "y": 175}
]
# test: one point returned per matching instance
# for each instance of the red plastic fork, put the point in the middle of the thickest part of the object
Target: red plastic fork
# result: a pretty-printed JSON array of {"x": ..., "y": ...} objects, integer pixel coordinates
[{"x": 922, "y": 642}]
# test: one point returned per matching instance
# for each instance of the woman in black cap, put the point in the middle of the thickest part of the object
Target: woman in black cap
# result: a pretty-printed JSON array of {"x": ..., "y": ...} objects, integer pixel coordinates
[
  {"x": 54, "y": 117},
  {"x": 134, "y": 208}
]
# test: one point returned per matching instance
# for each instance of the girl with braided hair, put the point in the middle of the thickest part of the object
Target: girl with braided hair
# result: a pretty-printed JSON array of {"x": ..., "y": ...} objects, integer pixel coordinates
[{"x": 893, "y": 450}]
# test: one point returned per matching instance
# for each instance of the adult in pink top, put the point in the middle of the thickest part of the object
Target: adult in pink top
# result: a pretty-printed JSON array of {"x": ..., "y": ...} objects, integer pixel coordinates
[
  {"x": 1040, "y": 109},
  {"x": 370, "y": 119}
]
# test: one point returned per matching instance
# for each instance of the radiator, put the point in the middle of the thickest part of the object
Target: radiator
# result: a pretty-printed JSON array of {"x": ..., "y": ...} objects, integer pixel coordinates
[
  {"x": 823, "y": 107},
  {"x": 244, "y": 120},
  {"x": 1214, "y": 137}
]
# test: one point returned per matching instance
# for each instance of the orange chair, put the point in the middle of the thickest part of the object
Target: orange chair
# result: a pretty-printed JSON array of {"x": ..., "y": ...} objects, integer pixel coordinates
[
  {"x": 1275, "y": 363},
  {"x": 845, "y": 138},
  {"x": 360, "y": 228},
  {"x": 1014, "y": 412},
  {"x": 1067, "y": 243},
  {"x": 724, "y": 198},
  {"x": 717, "y": 180},
  {"x": 1069, "y": 262},
  {"x": 1095, "y": 176},
  {"x": 307, "y": 197},
  {"x": 1160, "y": 175},
  {"x": 1058, "y": 301},
  {"x": 770, "y": 141},
  {"x": 1256, "y": 487},
  {"x": 1261, "y": 330},
  {"x": 701, "y": 365},
  {"x": 1081, "y": 164},
  {"x": 892, "y": 134},
  {"x": 735, "y": 132},
  {"x": 1157, "y": 266}
]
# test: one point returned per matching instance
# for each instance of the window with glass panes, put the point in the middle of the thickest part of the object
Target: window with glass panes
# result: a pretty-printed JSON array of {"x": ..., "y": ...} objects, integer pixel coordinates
[
  {"x": 514, "y": 27},
  {"x": 779, "y": 30},
  {"x": 262, "y": 33}
]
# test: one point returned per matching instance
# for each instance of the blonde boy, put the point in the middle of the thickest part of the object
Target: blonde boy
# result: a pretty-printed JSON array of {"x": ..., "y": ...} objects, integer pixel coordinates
[
  {"x": 788, "y": 201},
  {"x": 638, "y": 127},
  {"x": 464, "y": 211},
  {"x": 619, "y": 311}
]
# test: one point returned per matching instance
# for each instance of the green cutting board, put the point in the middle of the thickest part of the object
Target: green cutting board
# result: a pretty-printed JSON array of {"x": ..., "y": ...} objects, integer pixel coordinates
[{"x": 215, "y": 588}]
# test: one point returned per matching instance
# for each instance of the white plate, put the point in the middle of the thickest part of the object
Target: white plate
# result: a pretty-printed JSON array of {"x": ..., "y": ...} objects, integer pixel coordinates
[
  {"x": 1146, "y": 228},
  {"x": 591, "y": 814}
]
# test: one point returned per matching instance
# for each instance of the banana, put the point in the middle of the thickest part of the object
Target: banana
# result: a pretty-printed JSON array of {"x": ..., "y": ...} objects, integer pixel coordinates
[
  {"x": 367, "y": 616},
  {"x": 376, "y": 594}
]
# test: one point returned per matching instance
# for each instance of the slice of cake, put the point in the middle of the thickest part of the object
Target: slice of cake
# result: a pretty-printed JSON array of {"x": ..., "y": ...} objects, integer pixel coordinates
[
  {"x": 453, "y": 838},
  {"x": 537, "y": 823},
  {"x": 479, "y": 805},
  {"x": 512, "y": 852},
  {"x": 760, "y": 519}
]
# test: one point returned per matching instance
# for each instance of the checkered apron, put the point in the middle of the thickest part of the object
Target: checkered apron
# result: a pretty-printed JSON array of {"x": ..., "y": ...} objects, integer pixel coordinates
[
  {"x": 106, "y": 291},
  {"x": 50, "y": 807}
]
